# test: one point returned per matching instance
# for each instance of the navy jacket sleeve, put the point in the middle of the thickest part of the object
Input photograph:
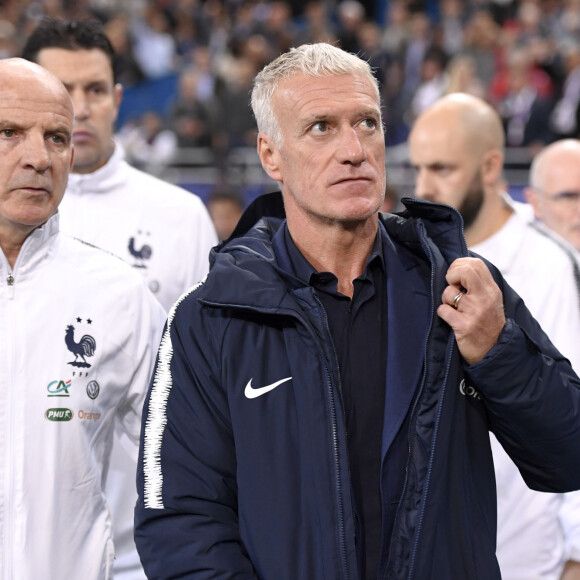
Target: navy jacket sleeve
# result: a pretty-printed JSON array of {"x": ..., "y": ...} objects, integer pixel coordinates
[
  {"x": 186, "y": 523},
  {"x": 533, "y": 400}
]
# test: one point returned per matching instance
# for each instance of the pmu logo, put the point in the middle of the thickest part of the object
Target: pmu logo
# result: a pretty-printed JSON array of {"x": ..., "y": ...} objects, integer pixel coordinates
[
  {"x": 58, "y": 388},
  {"x": 59, "y": 415}
]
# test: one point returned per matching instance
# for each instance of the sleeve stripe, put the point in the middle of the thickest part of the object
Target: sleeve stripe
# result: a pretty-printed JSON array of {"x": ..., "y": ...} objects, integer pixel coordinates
[{"x": 157, "y": 415}]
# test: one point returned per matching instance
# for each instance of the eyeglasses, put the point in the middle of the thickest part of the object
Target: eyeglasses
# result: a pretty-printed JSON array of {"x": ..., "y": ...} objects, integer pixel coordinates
[{"x": 563, "y": 198}]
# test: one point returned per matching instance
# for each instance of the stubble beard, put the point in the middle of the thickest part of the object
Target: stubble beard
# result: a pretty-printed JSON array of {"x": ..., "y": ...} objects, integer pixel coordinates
[{"x": 473, "y": 201}]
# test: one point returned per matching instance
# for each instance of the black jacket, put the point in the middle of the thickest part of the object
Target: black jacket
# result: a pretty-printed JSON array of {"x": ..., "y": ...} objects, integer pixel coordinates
[{"x": 238, "y": 487}]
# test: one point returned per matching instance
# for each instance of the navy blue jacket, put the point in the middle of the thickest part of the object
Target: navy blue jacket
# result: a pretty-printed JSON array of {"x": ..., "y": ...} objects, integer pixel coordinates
[{"x": 238, "y": 487}]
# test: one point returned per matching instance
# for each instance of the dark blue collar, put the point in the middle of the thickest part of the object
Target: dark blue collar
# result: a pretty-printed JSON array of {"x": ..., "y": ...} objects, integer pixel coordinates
[{"x": 304, "y": 271}]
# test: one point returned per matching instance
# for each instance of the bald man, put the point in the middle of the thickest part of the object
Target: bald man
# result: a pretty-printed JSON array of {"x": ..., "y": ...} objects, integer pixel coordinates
[
  {"x": 456, "y": 148},
  {"x": 554, "y": 190},
  {"x": 78, "y": 333}
]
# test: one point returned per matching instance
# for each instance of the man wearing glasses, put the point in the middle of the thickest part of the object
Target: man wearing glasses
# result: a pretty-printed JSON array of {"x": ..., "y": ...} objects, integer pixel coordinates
[{"x": 554, "y": 190}]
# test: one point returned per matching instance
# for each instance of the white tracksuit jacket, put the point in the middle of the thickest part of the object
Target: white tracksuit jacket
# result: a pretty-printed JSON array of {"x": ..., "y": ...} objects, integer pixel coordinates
[
  {"x": 78, "y": 336},
  {"x": 163, "y": 231},
  {"x": 537, "y": 531},
  {"x": 166, "y": 234}
]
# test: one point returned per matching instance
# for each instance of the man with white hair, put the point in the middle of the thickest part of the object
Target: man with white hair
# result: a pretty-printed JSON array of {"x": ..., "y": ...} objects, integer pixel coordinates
[
  {"x": 321, "y": 403},
  {"x": 554, "y": 190}
]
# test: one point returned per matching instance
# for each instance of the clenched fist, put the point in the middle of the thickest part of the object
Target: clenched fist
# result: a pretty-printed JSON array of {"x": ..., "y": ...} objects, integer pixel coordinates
[{"x": 473, "y": 307}]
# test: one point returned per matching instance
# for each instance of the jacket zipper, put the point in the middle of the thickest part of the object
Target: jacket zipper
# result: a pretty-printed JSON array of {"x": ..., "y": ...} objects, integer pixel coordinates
[
  {"x": 439, "y": 410},
  {"x": 413, "y": 421},
  {"x": 10, "y": 284},
  {"x": 410, "y": 430},
  {"x": 437, "y": 418},
  {"x": 335, "y": 450},
  {"x": 8, "y": 481},
  {"x": 430, "y": 467}
]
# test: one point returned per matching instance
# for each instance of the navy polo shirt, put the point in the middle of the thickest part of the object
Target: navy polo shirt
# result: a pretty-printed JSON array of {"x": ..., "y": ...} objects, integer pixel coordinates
[{"x": 358, "y": 327}]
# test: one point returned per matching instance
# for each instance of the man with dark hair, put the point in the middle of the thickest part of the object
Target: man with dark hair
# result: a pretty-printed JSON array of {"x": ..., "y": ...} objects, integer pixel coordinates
[
  {"x": 70, "y": 35},
  {"x": 225, "y": 208},
  {"x": 163, "y": 231},
  {"x": 138, "y": 217}
]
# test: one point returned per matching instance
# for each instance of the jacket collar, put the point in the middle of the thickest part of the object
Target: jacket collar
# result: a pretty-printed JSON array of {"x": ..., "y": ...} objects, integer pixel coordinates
[
  {"x": 443, "y": 222},
  {"x": 256, "y": 249},
  {"x": 110, "y": 176},
  {"x": 37, "y": 246}
]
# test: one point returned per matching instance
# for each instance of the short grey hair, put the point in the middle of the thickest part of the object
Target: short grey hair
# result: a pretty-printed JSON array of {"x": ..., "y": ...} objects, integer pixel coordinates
[{"x": 314, "y": 60}]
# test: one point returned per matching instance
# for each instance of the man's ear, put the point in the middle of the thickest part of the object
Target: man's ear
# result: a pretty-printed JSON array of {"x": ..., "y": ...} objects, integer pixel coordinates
[
  {"x": 492, "y": 167},
  {"x": 269, "y": 156}
]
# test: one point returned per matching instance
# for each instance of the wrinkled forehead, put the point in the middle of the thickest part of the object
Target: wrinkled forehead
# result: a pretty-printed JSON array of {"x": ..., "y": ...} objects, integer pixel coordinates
[
  {"x": 326, "y": 91},
  {"x": 33, "y": 92},
  {"x": 30, "y": 82},
  {"x": 36, "y": 99},
  {"x": 35, "y": 108}
]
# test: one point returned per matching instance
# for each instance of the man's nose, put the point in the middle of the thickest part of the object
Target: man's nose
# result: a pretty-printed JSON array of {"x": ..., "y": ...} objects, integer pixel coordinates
[
  {"x": 80, "y": 104},
  {"x": 36, "y": 154},
  {"x": 423, "y": 185},
  {"x": 351, "y": 149}
]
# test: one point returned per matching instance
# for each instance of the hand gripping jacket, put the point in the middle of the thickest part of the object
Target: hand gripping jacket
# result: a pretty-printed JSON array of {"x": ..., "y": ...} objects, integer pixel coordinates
[{"x": 237, "y": 480}]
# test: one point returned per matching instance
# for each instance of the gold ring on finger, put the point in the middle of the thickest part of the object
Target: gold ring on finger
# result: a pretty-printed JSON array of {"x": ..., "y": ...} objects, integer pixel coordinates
[{"x": 456, "y": 300}]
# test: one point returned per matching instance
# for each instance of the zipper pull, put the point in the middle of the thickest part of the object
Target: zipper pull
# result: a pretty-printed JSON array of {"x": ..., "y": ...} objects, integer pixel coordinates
[{"x": 10, "y": 282}]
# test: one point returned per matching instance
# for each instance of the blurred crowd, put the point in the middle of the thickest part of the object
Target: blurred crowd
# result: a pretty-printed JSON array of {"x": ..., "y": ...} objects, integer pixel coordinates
[{"x": 522, "y": 56}]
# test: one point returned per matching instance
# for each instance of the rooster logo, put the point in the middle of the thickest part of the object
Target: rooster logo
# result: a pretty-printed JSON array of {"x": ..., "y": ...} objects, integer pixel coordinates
[
  {"x": 84, "y": 347},
  {"x": 141, "y": 254}
]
